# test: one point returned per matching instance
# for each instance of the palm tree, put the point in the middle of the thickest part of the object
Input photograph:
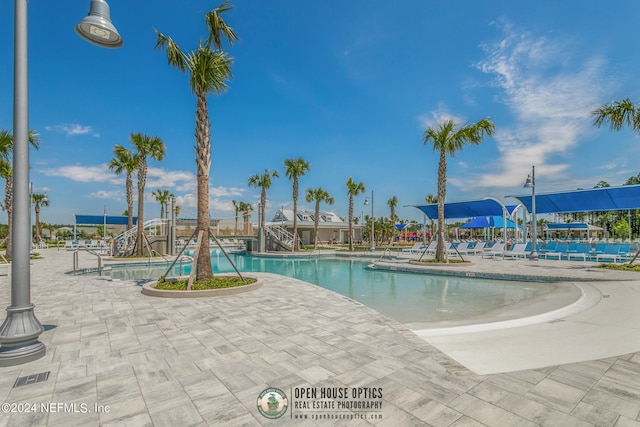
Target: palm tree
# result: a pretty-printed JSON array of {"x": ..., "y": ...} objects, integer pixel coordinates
[
  {"x": 124, "y": 161},
  {"x": 162, "y": 197},
  {"x": 246, "y": 210},
  {"x": 295, "y": 168},
  {"x": 392, "y": 203},
  {"x": 264, "y": 183},
  {"x": 39, "y": 200},
  {"x": 236, "y": 208},
  {"x": 353, "y": 190},
  {"x": 618, "y": 114},
  {"x": 209, "y": 69},
  {"x": 6, "y": 171},
  {"x": 448, "y": 139},
  {"x": 318, "y": 195},
  {"x": 146, "y": 146},
  {"x": 431, "y": 199}
]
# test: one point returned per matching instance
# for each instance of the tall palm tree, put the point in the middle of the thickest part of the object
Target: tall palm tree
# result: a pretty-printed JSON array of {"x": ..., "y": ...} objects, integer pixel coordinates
[
  {"x": 618, "y": 114},
  {"x": 124, "y": 161},
  {"x": 246, "y": 210},
  {"x": 146, "y": 146},
  {"x": 236, "y": 208},
  {"x": 209, "y": 69},
  {"x": 318, "y": 195},
  {"x": 39, "y": 200},
  {"x": 6, "y": 171},
  {"x": 448, "y": 139},
  {"x": 263, "y": 182},
  {"x": 295, "y": 168},
  {"x": 162, "y": 197},
  {"x": 392, "y": 203},
  {"x": 353, "y": 190}
]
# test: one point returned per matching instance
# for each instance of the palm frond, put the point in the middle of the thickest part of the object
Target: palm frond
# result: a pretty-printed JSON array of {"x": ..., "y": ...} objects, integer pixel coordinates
[
  {"x": 218, "y": 28},
  {"x": 175, "y": 56}
]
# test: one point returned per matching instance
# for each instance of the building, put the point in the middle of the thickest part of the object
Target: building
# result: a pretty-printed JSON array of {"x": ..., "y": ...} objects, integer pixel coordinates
[{"x": 331, "y": 228}]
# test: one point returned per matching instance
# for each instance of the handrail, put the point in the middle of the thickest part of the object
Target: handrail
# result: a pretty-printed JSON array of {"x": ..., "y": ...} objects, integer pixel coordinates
[{"x": 76, "y": 256}]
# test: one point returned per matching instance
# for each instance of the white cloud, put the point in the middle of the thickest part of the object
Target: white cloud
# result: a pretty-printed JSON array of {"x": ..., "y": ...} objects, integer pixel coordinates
[
  {"x": 108, "y": 195},
  {"x": 96, "y": 173},
  {"x": 551, "y": 98},
  {"x": 72, "y": 129}
]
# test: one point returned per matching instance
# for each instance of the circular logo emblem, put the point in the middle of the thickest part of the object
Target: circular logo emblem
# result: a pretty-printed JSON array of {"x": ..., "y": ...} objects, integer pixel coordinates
[{"x": 272, "y": 403}]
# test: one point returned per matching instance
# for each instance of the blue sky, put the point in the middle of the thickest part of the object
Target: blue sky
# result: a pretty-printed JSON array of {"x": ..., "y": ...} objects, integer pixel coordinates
[{"x": 348, "y": 86}]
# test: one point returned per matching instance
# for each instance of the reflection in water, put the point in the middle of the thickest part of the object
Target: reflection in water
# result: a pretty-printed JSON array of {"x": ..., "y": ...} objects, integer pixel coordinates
[{"x": 404, "y": 297}]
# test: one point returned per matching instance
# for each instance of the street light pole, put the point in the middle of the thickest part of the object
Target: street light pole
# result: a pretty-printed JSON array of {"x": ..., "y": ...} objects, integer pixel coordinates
[
  {"x": 20, "y": 330},
  {"x": 531, "y": 183}
]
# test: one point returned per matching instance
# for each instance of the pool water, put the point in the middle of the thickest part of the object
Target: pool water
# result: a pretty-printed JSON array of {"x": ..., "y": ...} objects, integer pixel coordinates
[{"x": 405, "y": 297}]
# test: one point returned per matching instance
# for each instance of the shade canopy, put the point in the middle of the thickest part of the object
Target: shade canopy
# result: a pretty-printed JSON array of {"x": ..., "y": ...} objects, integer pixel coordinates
[
  {"x": 592, "y": 200},
  {"x": 580, "y": 226},
  {"x": 102, "y": 219},
  {"x": 471, "y": 209},
  {"x": 495, "y": 221}
]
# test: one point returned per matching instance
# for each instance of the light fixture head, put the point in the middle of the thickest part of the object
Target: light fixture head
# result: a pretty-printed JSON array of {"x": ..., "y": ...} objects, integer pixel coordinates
[
  {"x": 528, "y": 183},
  {"x": 45, "y": 199},
  {"x": 366, "y": 201},
  {"x": 97, "y": 28}
]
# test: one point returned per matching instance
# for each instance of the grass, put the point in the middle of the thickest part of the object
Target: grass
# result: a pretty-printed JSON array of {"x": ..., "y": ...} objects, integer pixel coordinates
[
  {"x": 217, "y": 282},
  {"x": 451, "y": 261},
  {"x": 621, "y": 267}
]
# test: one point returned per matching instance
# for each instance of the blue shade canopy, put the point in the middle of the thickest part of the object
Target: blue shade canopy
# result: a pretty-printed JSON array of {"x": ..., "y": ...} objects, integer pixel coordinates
[
  {"x": 475, "y": 208},
  {"x": 571, "y": 226},
  {"x": 495, "y": 221},
  {"x": 593, "y": 200},
  {"x": 100, "y": 219}
]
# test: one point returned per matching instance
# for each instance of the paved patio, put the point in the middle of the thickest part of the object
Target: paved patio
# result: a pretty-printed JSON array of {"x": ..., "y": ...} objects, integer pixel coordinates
[{"x": 134, "y": 360}]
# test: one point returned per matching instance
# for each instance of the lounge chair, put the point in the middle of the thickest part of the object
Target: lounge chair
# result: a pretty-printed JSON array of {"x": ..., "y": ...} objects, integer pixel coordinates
[
  {"x": 615, "y": 252},
  {"x": 462, "y": 248},
  {"x": 582, "y": 251},
  {"x": 478, "y": 248},
  {"x": 496, "y": 250},
  {"x": 413, "y": 249},
  {"x": 560, "y": 250},
  {"x": 549, "y": 247},
  {"x": 518, "y": 250}
]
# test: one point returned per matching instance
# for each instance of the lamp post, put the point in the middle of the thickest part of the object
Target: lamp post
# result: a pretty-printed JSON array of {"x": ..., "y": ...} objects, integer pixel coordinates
[
  {"x": 531, "y": 183},
  {"x": 20, "y": 330},
  {"x": 366, "y": 202}
]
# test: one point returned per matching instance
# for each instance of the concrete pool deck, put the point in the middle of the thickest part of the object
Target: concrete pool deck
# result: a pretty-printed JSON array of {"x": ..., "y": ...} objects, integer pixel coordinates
[{"x": 154, "y": 361}]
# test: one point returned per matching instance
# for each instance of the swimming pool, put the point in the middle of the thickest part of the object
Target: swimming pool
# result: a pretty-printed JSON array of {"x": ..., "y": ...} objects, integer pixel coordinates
[{"x": 405, "y": 297}]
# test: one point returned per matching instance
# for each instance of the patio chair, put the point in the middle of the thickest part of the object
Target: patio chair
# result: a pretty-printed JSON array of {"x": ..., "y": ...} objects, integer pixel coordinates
[
  {"x": 582, "y": 251},
  {"x": 462, "y": 248},
  {"x": 478, "y": 248},
  {"x": 413, "y": 249},
  {"x": 559, "y": 251},
  {"x": 518, "y": 250},
  {"x": 496, "y": 250},
  {"x": 615, "y": 252}
]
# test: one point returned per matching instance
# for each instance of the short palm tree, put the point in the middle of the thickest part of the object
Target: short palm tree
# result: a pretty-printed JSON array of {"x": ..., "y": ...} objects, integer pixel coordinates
[
  {"x": 317, "y": 195},
  {"x": 38, "y": 201},
  {"x": 6, "y": 171},
  {"x": 209, "y": 69},
  {"x": 162, "y": 197},
  {"x": 124, "y": 161},
  {"x": 353, "y": 189},
  {"x": 294, "y": 169},
  {"x": 431, "y": 199},
  {"x": 246, "y": 210},
  {"x": 392, "y": 203},
  {"x": 448, "y": 139},
  {"x": 236, "y": 208},
  {"x": 146, "y": 146},
  {"x": 263, "y": 182}
]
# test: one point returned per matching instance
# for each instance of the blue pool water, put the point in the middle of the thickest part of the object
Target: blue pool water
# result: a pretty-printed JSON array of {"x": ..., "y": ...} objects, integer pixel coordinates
[{"x": 405, "y": 297}]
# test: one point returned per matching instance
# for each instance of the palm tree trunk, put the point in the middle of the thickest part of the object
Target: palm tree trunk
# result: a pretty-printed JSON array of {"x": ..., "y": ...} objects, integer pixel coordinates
[
  {"x": 203, "y": 165},
  {"x": 129, "y": 187},
  {"x": 442, "y": 190},
  {"x": 294, "y": 246},
  {"x": 8, "y": 203},
  {"x": 142, "y": 177},
  {"x": 38, "y": 238},
  {"x": 315, "y": 231},
  {"x": 351, "y": 222}
]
